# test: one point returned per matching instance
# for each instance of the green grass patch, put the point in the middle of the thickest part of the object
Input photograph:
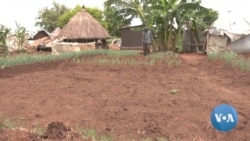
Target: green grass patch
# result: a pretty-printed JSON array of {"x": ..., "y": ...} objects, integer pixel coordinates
[
  {"x": 7, "y": 123},
  {"x": 92, "y": 134},
  {"x": 120, "y": 61},
  {"x": 163, "y": 57},
  {"x": 103, "y": 57},
  {"x": 105, "y": 138},
  {"x": 233, "y": 59},
  {"x": 156, "y": 139},
  {"x": 23, "y": 59},
  {"x": 123, "y": 53},
  {"x": 39, "y": 130},
  {"x": 170, "y": 58}
]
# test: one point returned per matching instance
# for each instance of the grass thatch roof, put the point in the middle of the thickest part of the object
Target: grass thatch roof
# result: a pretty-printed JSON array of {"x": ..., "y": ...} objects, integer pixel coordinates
[
  {"x": 56, "y": 32},
  {"x": 83, "y": 26},
  {"x": 40, "y": 34}
]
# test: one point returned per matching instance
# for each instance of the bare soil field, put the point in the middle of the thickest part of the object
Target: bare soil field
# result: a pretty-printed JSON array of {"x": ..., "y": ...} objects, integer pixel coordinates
[{"x": 125, "y": 102}]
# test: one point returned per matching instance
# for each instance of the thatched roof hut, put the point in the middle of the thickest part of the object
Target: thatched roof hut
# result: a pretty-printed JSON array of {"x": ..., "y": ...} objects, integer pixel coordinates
[
  {"x": 82, "y": 27},
  {"x": 41, "y": 34},
  {"x": 55, "y": 33}
]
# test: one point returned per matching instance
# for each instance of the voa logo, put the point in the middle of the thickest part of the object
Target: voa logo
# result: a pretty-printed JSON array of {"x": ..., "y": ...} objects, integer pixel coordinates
[{"x": 224, "y": 117}]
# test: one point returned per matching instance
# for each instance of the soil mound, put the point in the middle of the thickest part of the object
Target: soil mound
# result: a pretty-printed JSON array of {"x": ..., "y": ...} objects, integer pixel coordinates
[{"x": 58, "y": 130}]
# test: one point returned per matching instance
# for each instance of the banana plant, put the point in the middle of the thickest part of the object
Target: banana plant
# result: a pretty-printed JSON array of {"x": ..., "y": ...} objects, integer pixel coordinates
[
  {"x": 196, "y": 18},
  {"x": 172, "y": 19},
  {"x": 165, "y": 17},
  {"x": 130, "y": 8}
]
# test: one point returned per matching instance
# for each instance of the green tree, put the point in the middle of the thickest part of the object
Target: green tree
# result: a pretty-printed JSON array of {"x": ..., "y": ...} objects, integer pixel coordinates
[
  {"x": 48, "y": 17},
  {"x": 4, "y": 31},
  {"x": 179, "y": 13},
  {"x": 114, "y": 21},
  {"x": 130, "y": 9},
  {"x": 64, "y": 18}
]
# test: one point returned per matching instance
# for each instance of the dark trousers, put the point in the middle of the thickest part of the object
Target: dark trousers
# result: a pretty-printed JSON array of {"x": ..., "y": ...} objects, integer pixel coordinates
[{"x": 146, "y": 48}]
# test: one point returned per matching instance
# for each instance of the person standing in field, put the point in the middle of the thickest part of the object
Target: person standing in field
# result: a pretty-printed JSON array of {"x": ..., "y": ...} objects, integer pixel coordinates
[{"x": 146, "y": 41}]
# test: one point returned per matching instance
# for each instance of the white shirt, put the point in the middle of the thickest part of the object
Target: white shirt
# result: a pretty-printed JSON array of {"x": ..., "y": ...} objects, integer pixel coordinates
[{"x": 147, "y": 37}]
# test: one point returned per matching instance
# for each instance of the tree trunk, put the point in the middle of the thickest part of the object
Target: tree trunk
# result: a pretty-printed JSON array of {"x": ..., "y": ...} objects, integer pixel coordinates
[
  {"x": 178, "y": 38},
  {"x": 196, "y": 44}
]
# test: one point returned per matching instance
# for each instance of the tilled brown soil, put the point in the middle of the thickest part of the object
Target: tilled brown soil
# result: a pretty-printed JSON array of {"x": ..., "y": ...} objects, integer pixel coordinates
[{"x": 124, "y": 101}]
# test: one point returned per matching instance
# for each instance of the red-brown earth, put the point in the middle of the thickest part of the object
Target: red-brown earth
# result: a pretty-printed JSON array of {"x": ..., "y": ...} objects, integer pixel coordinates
[{"x": 125, "y": 101}]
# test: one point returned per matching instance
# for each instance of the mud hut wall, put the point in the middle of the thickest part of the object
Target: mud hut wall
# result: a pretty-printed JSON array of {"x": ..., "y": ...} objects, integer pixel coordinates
[
  {"x": 81, "y": 46},
  {"x": 217, "y": 43},
  {"x": 58, "y": 48},
  {"x": 88, "y": 46}
]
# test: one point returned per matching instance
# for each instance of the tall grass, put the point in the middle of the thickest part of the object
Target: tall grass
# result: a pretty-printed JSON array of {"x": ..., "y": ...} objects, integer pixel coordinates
[
  {"x": 105, "y": 57},
  {"x": 92, "y": 134},
  {"x": 23, "y": 59},
  {"x": 163, "y": 57},
  {"x": 233, "y": 59},
  {"x": 7, "y": 123},
  {"x": 124, "y": 53}
]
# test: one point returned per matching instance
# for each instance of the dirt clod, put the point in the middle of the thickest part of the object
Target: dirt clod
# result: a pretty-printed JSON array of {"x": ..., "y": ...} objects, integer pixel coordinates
[{"x": 57, "y": 130}]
